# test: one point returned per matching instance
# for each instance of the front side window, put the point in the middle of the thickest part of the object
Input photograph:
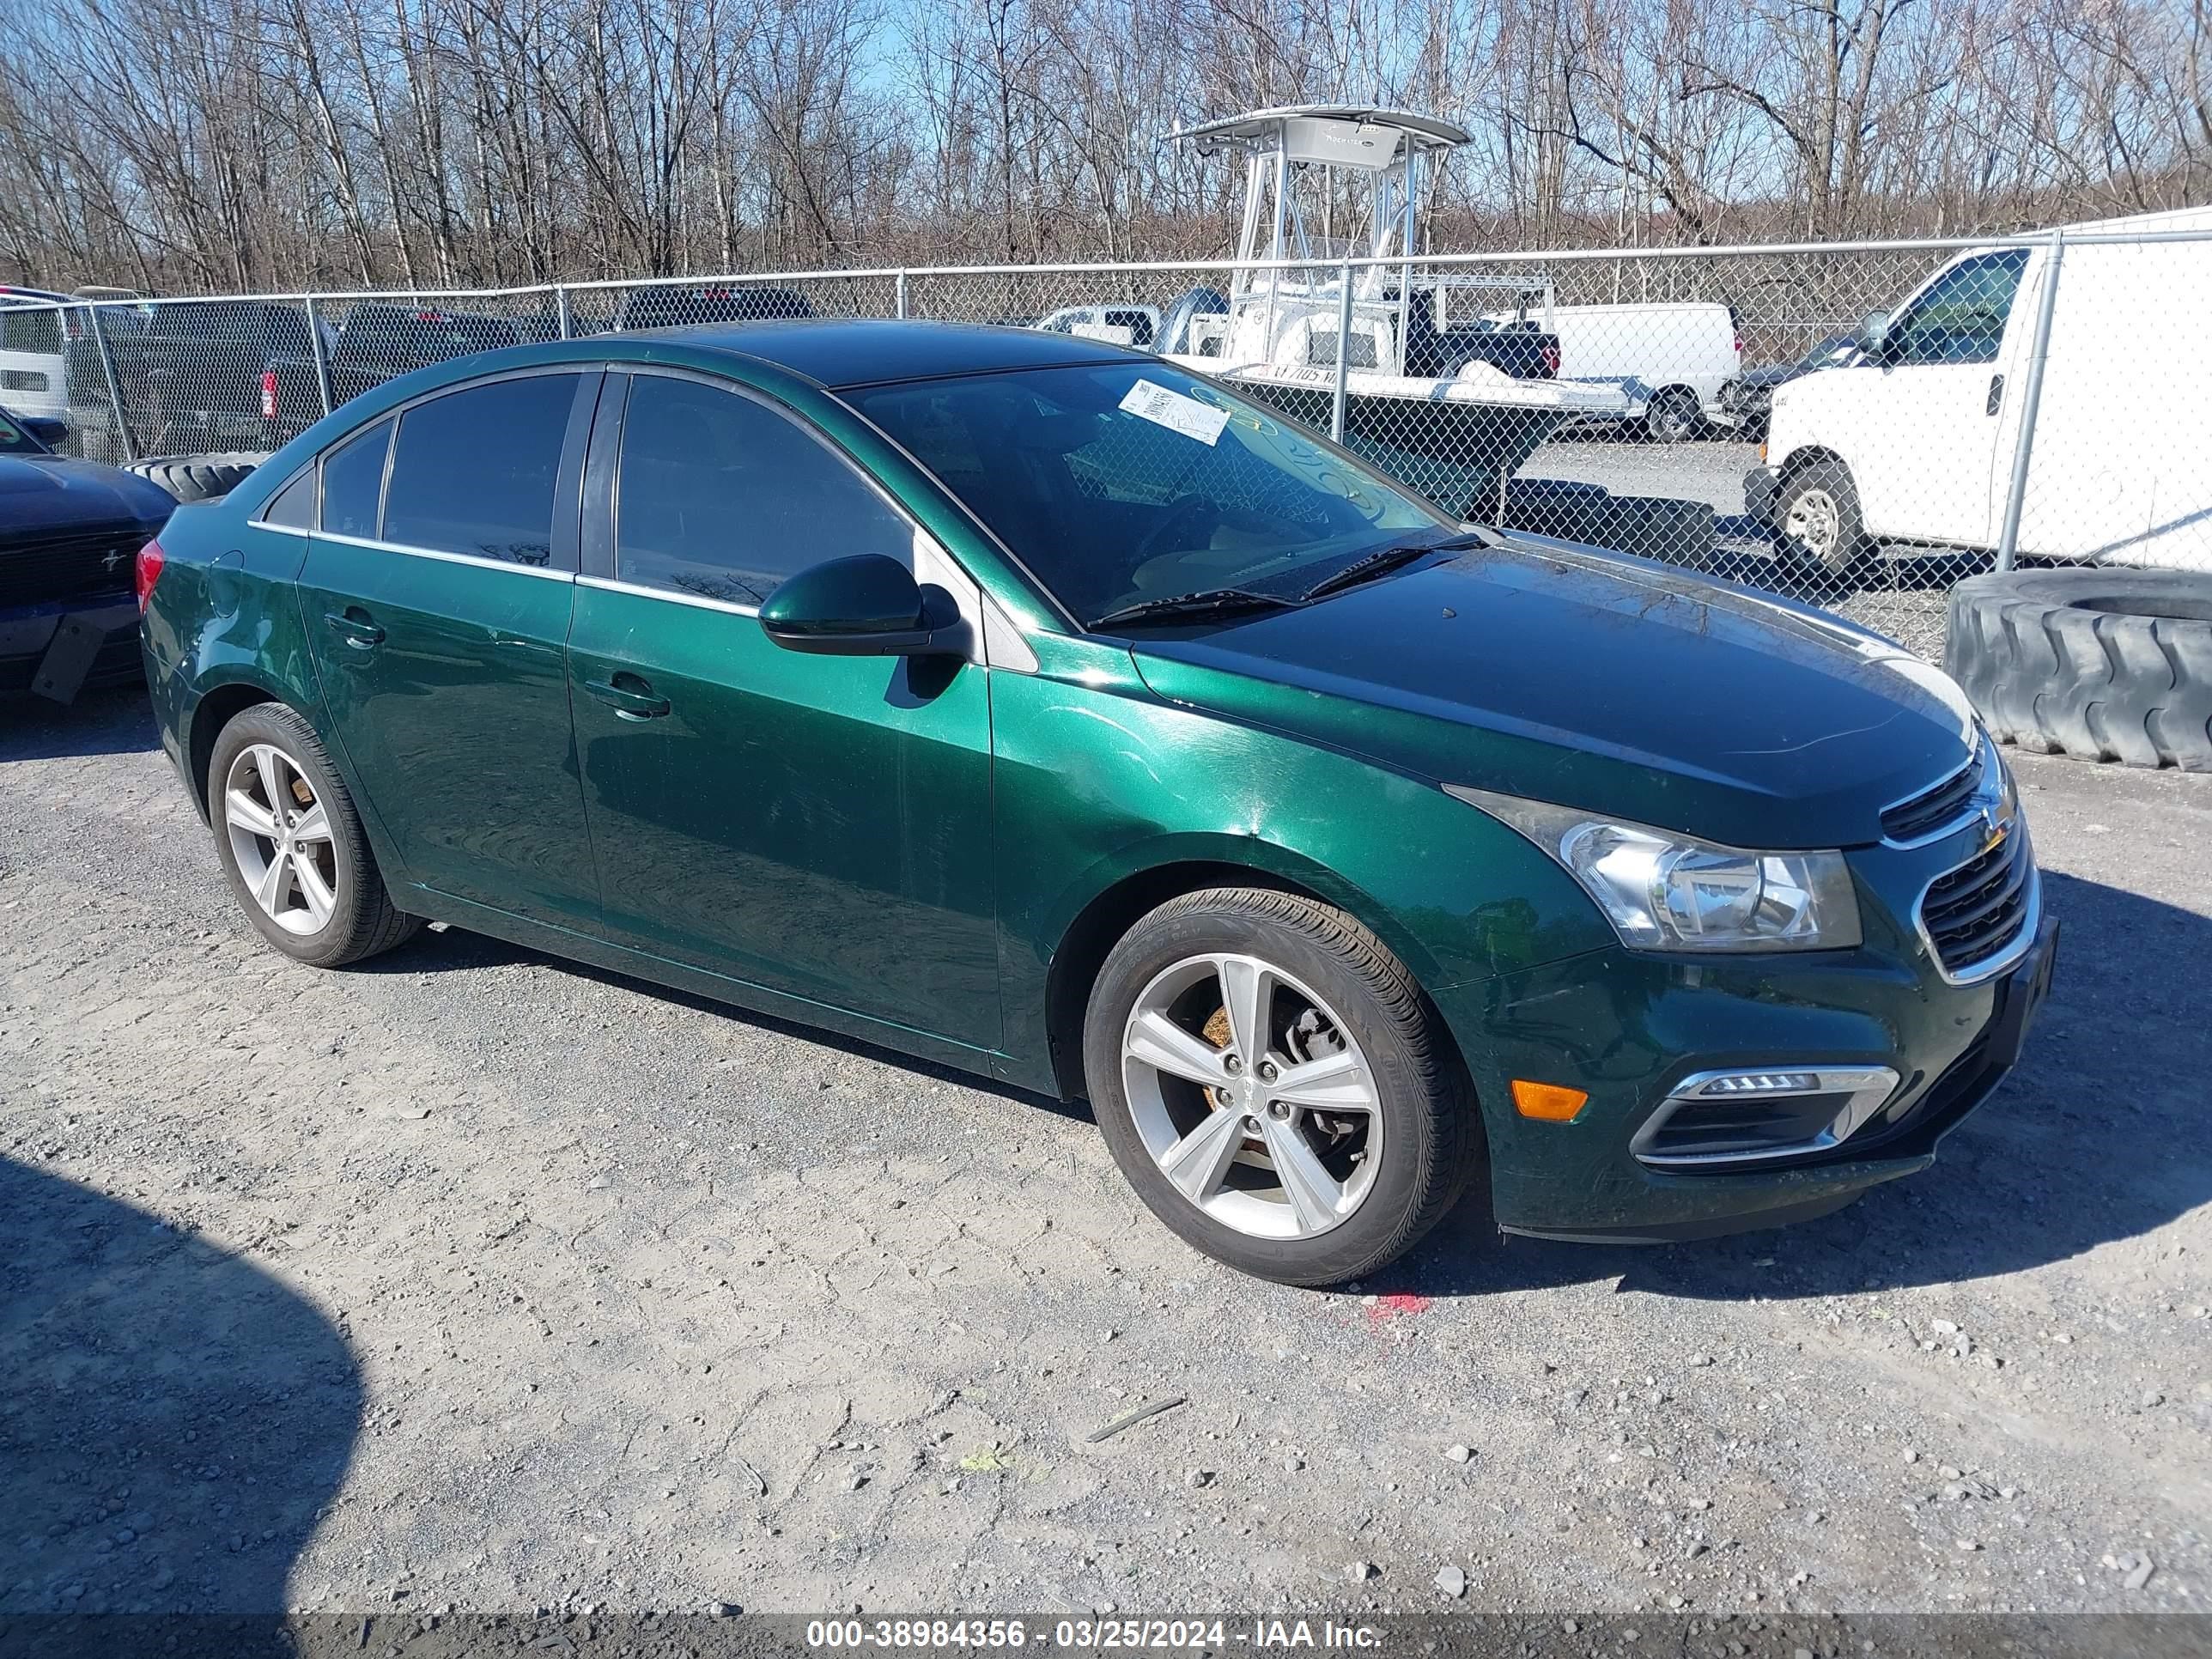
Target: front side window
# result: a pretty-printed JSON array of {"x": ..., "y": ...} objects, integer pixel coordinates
[
  {"x": 721, "y": 496},
  {"x": 353, "y": 483},
  {"x": 1961, "y": 318},
  {"x": 1120, "y": 482},
  {"x": 473, "y": 472}
]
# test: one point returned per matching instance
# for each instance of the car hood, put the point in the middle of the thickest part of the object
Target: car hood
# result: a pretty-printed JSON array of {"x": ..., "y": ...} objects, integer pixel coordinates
[
  {"x": 1565, "y": 674},
  {"x": 45, "y": 495}
]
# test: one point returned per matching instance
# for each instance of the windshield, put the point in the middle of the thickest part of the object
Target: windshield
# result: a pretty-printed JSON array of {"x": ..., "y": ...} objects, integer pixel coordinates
[
  {"x": 13, "y": 440},
  {"x": 1115, "y": 483}
]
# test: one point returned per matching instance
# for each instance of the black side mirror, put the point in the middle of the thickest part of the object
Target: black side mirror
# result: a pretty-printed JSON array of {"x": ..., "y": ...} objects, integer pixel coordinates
[
  {"x": 1874, "y": 334},
  {"x": 49, "y": 430},
  {"x": 867, "y": 605}
]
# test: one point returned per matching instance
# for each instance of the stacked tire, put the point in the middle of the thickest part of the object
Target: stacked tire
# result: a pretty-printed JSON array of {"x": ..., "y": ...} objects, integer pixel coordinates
[
  {"x": 198, "y": 477},
  {"x": 2106, "y": 663}
]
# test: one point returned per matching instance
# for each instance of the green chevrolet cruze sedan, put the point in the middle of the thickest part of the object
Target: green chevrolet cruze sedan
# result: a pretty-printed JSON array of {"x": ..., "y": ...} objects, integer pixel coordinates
[{"x": 1029, "y": 705}]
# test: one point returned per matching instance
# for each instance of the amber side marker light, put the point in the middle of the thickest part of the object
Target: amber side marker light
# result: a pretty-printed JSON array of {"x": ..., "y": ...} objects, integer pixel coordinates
[{"x": 1551, "y": 1102}]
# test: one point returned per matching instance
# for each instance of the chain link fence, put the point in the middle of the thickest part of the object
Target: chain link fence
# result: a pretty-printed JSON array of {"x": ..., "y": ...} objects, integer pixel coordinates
[{"x": 1857, "y": 427}]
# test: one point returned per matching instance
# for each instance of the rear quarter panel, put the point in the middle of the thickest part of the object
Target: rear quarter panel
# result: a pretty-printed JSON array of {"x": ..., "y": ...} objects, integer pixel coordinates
[{"x": 223, "y": 626}]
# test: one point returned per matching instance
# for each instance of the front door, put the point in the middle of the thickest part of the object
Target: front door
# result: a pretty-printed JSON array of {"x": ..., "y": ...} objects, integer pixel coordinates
[
  {"x": 1932, "y": 399},
  {"x": 437, "y": 593},
  {"x": 818, "y": 825}
]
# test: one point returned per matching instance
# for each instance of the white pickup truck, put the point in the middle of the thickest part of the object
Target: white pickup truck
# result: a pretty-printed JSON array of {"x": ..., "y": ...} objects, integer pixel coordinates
[{"x": 1915, "y": 441}]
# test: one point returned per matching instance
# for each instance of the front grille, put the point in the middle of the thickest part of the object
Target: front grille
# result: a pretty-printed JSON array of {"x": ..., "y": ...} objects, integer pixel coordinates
[
  {"x": 1978, "y": 910},
  {"x": 71, "y": 566},
  {"x": 1935, "y": 809}
]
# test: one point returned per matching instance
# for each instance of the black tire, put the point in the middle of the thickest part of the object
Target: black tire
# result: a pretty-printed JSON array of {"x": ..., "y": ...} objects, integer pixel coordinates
[
  {"x": 2101, "y": 664},
  {"x": 198, "y": 477},
  {"x": 1823, "y": 493},
  {"x": 363, "y": 921},
  {"x": 1673, "y": 416},
  {"x": 1431, "y": 1139}
]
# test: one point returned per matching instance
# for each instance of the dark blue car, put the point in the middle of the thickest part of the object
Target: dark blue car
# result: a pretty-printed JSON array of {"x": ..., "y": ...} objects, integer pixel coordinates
[{"x": 70, "y": 535}]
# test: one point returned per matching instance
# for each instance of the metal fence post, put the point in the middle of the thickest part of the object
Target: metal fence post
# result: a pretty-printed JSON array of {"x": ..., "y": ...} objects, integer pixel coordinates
[
  {"x": 2023, "y": 448},
  {"x": 902, "y": 296},
  {"x": 322, "y": 357},
  {"x": 115, "y": 391},
  {"x": 561, "y": 308},
  {"x": 1343, "y": 350}
]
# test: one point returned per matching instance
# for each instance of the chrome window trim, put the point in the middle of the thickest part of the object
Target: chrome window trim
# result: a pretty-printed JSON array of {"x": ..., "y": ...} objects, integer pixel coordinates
[
  {"x": 441, "y": 555},
  {"x": 283, "y": 529},
  {"x": 1874, "y": 1087},
  {"x": 615, "y": 585},
  {"x": 1989, "y": 966}
]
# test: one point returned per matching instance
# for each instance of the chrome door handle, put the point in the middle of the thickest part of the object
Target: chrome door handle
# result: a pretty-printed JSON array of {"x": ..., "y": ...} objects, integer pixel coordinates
[
  {"x": 355, "y": 630},
  {"x": 630, "y": 696}
]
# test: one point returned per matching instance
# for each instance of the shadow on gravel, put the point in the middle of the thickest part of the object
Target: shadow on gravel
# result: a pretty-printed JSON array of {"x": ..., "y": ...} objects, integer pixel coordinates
[
  {"x": 2097, "y": 1136},
  {"x": 118, "y": 721},
  {"x": 173, "y": 1420}
]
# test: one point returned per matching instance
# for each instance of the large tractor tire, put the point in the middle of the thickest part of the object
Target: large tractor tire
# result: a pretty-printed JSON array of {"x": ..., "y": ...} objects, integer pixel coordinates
[
  {"x": 2106, "y": 664},
  {"x": 197, "y": 477}
]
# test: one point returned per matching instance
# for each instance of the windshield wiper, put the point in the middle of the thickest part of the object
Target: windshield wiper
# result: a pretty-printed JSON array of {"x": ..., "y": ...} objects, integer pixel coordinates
[
  {"x": 1369, "y": 566},
  {"x": 1212, "y": 601}
]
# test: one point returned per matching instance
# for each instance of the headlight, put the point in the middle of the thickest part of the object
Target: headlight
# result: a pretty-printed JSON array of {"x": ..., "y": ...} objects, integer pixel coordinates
[{"x": 1664, "y": 891}]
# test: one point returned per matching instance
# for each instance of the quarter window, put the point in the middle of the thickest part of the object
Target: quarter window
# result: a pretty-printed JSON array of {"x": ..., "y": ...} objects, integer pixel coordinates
[
  {"x": 723, "y": 497},
  {"x": 353, "y": 481},
  {"x": 474, "y": 471},
  {"x": 294, "y": 506}
]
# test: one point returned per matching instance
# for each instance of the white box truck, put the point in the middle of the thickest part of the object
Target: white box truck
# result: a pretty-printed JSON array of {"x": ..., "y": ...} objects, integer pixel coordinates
[{"x": 1915, "y": 442}]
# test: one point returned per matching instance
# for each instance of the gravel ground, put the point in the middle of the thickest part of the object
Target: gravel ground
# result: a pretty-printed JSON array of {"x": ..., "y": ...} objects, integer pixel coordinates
[{"x": 477, "y": 1280}]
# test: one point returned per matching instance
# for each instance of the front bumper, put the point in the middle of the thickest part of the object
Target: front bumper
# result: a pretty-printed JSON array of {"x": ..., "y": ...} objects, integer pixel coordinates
[
  {"x": 35, "y": 637},
  {"x": 1630, "y": 1028}
]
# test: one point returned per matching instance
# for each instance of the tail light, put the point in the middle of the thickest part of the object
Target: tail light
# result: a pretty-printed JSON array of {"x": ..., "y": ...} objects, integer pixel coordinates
[
  {"x": 268, "y": 394},
  {"x": 1551, "y": 360},
  {"x": 1739, "y": 345},
  {"x": 149, "y": 571}
]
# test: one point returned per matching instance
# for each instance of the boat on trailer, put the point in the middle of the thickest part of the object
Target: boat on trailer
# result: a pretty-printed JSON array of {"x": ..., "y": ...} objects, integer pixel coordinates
[{"x": 1420, "y": 397}]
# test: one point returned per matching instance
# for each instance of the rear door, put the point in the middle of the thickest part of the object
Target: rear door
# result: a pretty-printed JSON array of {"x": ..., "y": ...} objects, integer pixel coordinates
[
  {"x": 1931, "y": 404},
  {"x": 34, "y": 378},
  {"x": 437, "y": 592},
  {"x": 818, "y": 825}
]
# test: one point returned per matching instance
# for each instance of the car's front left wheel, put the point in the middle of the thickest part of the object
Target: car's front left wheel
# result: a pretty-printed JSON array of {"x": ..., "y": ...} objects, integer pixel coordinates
[
  {"x": 1270, "y": 1079},
  {"x": 291, "y": 842}
]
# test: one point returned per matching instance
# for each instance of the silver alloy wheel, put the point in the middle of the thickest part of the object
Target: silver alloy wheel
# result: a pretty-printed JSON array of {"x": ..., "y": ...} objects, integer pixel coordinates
[
  {"x": 281, "y": 838},
  {"x": 1814, "y": 520},
  {"x": 1251, "y": 1096}
]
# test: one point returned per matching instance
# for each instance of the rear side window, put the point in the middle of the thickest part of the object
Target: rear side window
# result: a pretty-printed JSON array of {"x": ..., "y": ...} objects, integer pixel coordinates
[
  {"x": 353, "y": 477},
  {"x": 30, "y": 328},
  {"x": 723, "y": 497},
  {"x": 473, "y": 472}
]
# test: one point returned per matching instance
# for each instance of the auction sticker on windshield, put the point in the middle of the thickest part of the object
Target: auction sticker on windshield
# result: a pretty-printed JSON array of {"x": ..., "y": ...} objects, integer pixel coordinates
[{"x": 1151, "y": 401}]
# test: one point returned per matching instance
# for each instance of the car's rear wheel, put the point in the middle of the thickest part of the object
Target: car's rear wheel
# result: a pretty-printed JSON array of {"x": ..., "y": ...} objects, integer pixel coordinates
[
  {"x": 1269, "y": 1079},
  {"x": 292, "y": 845}
]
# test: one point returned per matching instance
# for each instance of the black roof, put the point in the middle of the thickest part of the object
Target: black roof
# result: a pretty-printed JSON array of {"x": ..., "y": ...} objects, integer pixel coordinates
[{"x": 840, "y": 352}]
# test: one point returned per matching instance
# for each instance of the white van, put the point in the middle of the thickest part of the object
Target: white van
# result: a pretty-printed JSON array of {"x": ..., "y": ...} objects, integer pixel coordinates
[
  {"x": 1672, "y": 359},
  {"x": 1915, "y": 442},
  {"x": 33, "y": 353}
]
